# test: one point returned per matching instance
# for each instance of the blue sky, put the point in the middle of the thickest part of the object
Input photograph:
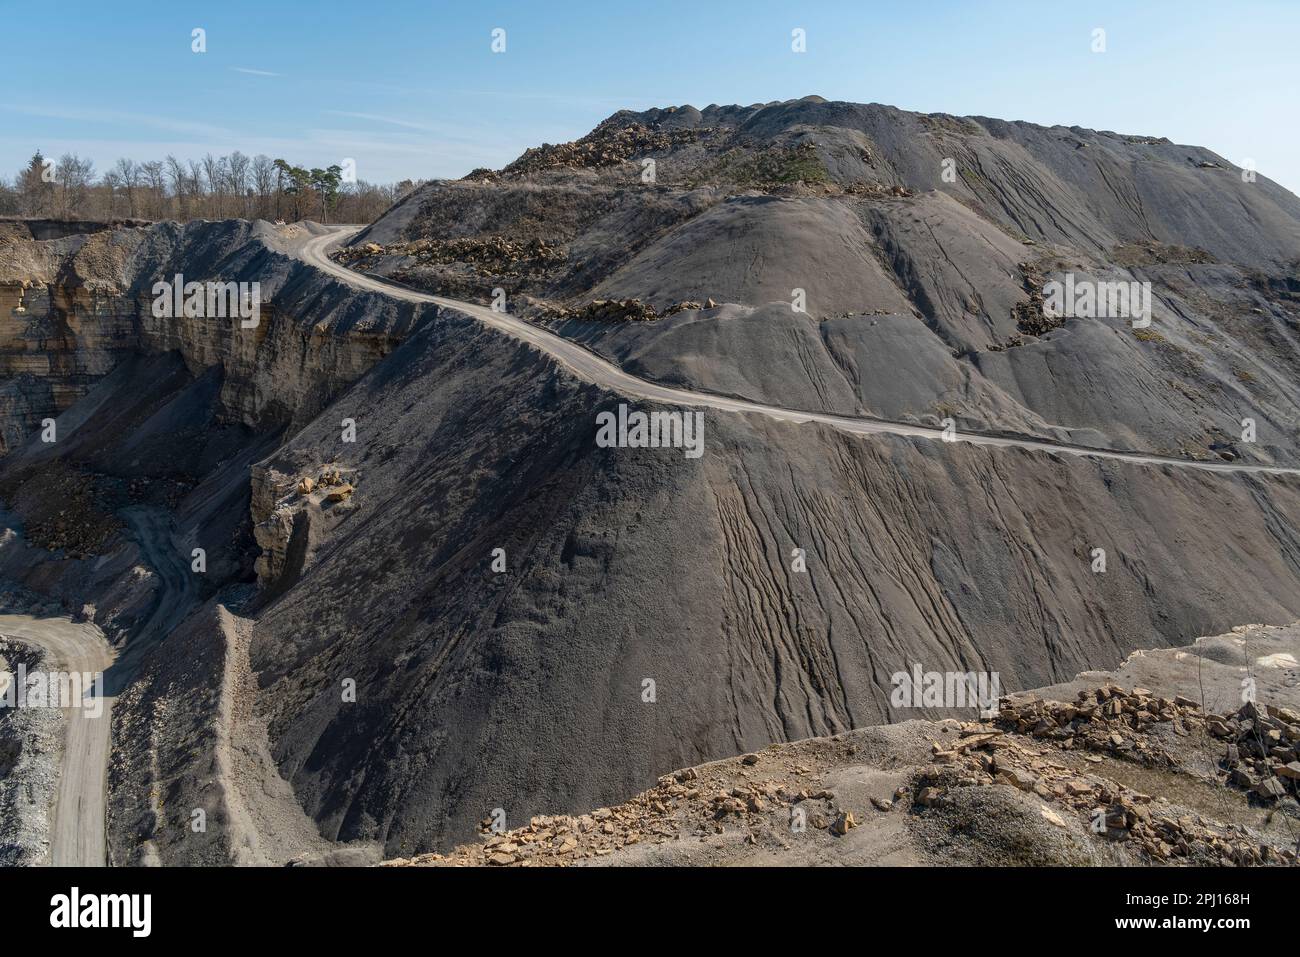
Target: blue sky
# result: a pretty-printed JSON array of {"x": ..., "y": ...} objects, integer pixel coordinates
[{"x": 413, "y": 90}]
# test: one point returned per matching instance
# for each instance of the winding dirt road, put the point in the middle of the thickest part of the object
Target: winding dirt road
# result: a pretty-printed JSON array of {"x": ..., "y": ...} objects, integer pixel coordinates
[
  {"x": 77, "y": 824},
  {"x": 592, "y": 368},
  {"x": 77, "y": 829}
]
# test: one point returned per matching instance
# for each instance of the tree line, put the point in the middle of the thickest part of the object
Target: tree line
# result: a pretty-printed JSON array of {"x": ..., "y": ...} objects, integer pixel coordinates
[{"x": 214, "y": 187}]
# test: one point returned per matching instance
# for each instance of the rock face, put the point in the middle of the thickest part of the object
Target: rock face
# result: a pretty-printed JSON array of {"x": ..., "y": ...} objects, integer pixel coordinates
[
  {"x": 58, "y": 334},
  {"x": 72, "y": 308},
  {"x": 290, "y": 517}
]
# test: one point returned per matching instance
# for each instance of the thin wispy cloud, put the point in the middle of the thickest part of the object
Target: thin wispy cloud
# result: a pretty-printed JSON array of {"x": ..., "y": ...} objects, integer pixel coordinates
[
  {"x": 249, "y": 70},
  {"x": 120, "y": 119},
  {"x": 574, "y": 99},
  {"x": 376, "y": 118},
  {"x": 569, "y": 99},
  {"x": 474, "y": 134}
]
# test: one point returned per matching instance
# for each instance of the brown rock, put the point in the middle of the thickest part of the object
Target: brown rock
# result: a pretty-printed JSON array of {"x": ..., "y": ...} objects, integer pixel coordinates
[
  {"x": 842, "y": 823},
  {"x": 1051, "y": 817},
  {"x": 1017, "y": 778},
  {"x": 1244, "y": 779},
  {"x": 1270, "y": 788},
  {"x": 929, "y": 797}
]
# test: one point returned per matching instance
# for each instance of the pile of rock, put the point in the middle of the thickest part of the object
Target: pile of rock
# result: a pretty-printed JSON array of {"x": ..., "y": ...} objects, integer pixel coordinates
[
  {"x": 621, "y": 310},
  {"x": 1108, "y": 719},
  {"x": 1262, "y": 754},
  {"x": 497, "y": 255},
  {"x": 617, "y": 310},
  {"x": 606, "y": 145},
  {"x": 330, "y": 481},
  {"x": 1151, "y": 252},
  {"x": 1031, "y": 315},
  {"x": 877, "y": 190},
  {"x": 1006, "y": 751},
  {"x": 682, "y": 804},
  {"x": 1121, "y": 814},
  {"x": 76, "y": 515}
]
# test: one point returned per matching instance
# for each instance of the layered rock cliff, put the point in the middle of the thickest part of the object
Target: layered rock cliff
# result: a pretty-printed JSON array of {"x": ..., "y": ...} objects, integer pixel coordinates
[{"x": 74, "y": 307}]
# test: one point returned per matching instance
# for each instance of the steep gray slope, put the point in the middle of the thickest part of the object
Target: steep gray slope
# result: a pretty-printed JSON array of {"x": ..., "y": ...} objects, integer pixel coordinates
[
  {"x": 888, "y": 366},
  {"x": 1093, "y": 189},
  {"x": 849, "y": 203},
  {"x": 759, "y": 249},
  {"x": 523, "y": 690}
]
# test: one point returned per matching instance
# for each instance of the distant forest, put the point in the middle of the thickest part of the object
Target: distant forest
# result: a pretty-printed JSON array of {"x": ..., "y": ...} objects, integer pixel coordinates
[{"x": 215, "y": 187}]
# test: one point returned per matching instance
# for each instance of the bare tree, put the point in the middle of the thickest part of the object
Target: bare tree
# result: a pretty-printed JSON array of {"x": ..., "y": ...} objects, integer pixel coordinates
[
  {"x": 264, "y": 183},
  {"x": 180, "y": 186},
  {"x": 237, "y": 177},
  {"x": 198, "y": 192},
  {"x": 214, "y": 172},
  {"x": 73, "y": 175},
  {"x": 128, "y": 173},
  {"x": 8, "y": 198},
  {"x": 154, "y": 176},
  {"x": 113, "y": 191}
]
